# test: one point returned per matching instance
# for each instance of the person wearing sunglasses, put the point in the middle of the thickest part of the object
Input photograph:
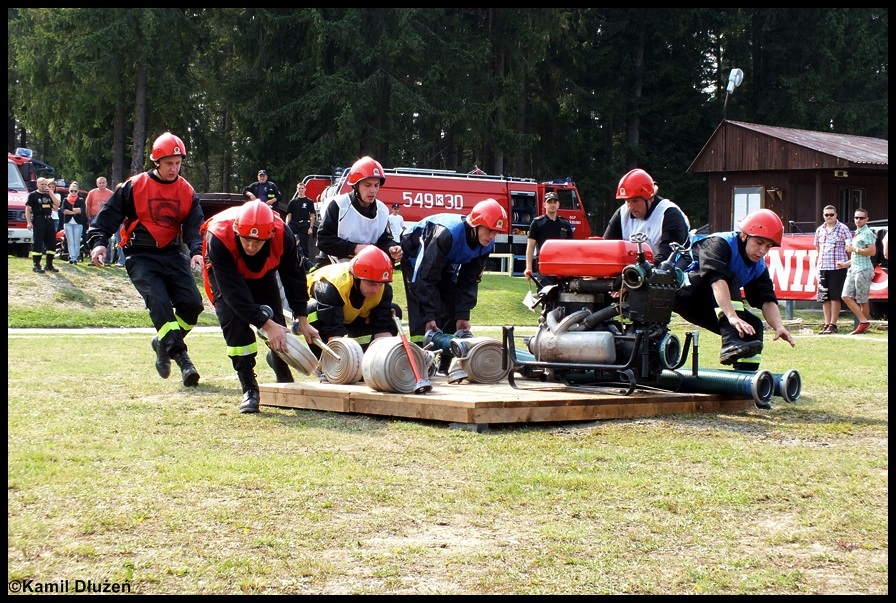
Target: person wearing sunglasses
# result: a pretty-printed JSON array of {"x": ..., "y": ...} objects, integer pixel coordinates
[
  {"x": 857, "y": 287},
  {"x": 830, "y": 242}
]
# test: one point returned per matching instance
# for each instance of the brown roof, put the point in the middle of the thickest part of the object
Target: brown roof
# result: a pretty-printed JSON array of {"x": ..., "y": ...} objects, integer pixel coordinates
[{"x": 855, "y": 149}]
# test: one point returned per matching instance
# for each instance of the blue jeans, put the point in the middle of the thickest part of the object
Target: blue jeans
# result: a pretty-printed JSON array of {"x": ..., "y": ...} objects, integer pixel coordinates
[
  {"x": 113, "y": 247},
  {"x": 73, "y": 233}
]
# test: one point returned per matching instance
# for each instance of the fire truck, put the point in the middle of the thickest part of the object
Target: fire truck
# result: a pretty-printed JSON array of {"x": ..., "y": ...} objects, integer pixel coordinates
[{"x": 424, "y": 192}]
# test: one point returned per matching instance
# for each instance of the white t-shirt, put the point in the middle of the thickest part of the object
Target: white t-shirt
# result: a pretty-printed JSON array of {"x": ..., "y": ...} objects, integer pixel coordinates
[{"x": 396, "y": 225}]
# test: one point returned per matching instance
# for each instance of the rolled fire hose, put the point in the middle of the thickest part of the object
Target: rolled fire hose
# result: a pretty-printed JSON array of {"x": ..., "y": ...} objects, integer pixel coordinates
[
  {"x": 347, "y": 369},
  {"x": 478, "y": 360},
  {"x": 386, "y": 368},
  {"x": 297, "y": 355},
  {"x": 759, "y": 385}
]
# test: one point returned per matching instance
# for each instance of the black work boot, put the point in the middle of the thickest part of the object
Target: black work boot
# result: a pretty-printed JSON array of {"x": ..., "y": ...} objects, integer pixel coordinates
[
  {"x": 163, "y": 362},
  {"x": 50, "y": 266},
  {"x": 250, "y": 391},
  {"x": 735, "y": 350},
  {"x": 187, "y": 371},
  {"x": 281, "y": 369}
]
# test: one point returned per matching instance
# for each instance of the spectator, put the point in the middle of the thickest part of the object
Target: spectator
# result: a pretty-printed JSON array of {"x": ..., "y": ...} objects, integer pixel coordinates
[
  {"x": 245, "y": 249},
  {"x": 57, "y": 223},
  {"x": 353, "y": 299},
  {"x": 264, "y": 190},
  {"x": 356, "y": 219},
  {"x": 830, "y": 243},
  {"x": 645, "y": 211},
  {"x": 97, "y": 197},
  {"x": 444, "y": 257},
  {"x": 711, "y": 298},
  {"x": 120, "y": 255},
  {"x": 74, "y": 210},
  {"x": 550, "y": 225},
  {"x": 153, "y": 238},
  {"x": 301, "y": 218},
  {"x": 396, "y": 223},
  {"x": 95, "y": 200},
  {"x": 38, "y": 217},
  {"x": 860, "y": 271}
]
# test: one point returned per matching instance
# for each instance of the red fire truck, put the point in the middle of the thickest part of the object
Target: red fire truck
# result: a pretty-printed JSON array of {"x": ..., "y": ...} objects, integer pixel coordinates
[{"x": 424, "y": 192}]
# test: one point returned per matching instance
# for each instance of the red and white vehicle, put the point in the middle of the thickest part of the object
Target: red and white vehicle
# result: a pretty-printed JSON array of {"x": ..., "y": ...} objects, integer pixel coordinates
[
  {"x": 21, "y": 174},
  {"x": 422, "y": 193}
]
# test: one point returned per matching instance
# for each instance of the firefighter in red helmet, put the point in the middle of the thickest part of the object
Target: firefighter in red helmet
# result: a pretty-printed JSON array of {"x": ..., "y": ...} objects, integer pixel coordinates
[
  {"x": 444, "y": 257},
  {"x": 245, "y": 249},
  {"x": 357, "y": 219},
  {"x": 161, "y": 215},
  {"x": 723, "y": 263},
  {"x": 644, "y": 211},
  {"x": 353, "y": 299}
]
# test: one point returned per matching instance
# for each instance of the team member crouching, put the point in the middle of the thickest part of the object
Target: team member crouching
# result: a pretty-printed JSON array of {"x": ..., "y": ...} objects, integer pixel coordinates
[
  {"x": 244, "y": 249},
  {"x": 353, "y": 299},
  {"x": 724, "y": 263}
]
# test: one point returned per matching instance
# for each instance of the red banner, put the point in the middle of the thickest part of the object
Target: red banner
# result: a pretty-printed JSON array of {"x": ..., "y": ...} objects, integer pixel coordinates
[{"x": 794, "y": 270}]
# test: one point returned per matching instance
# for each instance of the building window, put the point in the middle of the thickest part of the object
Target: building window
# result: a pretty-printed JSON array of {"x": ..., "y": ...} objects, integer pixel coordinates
[{"x": 850, "y": 200}]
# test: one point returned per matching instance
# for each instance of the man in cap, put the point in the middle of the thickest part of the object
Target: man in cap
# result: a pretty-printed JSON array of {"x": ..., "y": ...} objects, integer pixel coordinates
[
  {"x": 264, "y": 190},
  {"x": 549, "y": 225},
  {"x": 396, "y": 222}
]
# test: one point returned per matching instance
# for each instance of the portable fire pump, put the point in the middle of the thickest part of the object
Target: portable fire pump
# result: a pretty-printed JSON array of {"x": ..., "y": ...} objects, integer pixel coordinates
[{"x": 605, "y": 313}]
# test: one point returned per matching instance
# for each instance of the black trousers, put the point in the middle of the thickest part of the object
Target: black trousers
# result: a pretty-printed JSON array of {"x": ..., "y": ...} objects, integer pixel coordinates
[
  {"x": 165, "y": 281},
  {"x": 242, "y": 343},
  {"x": 44, "y": 231}
]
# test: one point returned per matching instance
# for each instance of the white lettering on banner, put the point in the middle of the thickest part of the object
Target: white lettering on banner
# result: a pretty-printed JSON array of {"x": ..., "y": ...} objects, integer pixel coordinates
[
  {"x": 881, "y": 284},
  {"x": 793, "y": 268},
  {"x": 802, "y": 262}
]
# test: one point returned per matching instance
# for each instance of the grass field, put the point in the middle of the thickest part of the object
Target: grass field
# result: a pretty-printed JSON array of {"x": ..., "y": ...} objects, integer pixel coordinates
[{"x": 119, "y": 477}]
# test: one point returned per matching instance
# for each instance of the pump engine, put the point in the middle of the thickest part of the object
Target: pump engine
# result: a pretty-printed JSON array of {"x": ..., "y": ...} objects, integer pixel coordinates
[{"x": 605, "y": 313}]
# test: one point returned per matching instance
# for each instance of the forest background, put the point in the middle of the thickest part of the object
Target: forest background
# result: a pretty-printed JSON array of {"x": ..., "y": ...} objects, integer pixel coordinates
[{"x": 544, "y": 93}]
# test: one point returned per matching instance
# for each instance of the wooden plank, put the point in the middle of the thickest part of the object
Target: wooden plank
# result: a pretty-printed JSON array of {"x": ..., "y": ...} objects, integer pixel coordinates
[{"x": 472, "y": 403}]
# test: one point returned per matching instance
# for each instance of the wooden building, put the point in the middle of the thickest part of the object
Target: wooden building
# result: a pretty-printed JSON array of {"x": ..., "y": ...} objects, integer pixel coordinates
[{"x": 794, "y": 173}]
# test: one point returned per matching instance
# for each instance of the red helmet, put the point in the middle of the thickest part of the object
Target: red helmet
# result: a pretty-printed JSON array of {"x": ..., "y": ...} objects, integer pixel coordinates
[
  {"x": 372, "y": 264},
  {"x": 637, "y": 183},
  {"x": 255, "y": 220},
  {"x": 167, "y": 145},
  {"x": 763, "y": 223},
  {"x": 366, "y": 167},
  {"x": 488, "y": 213}
]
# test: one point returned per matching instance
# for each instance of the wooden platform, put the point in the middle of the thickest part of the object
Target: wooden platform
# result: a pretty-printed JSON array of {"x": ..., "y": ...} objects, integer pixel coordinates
[{"x": 481, "y": 404}]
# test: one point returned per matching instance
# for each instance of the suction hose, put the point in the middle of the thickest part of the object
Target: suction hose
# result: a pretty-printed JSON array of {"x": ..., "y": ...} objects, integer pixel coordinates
[
  {"x": 788, "y": 385},
  {"x": 759, "y": 385}
]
